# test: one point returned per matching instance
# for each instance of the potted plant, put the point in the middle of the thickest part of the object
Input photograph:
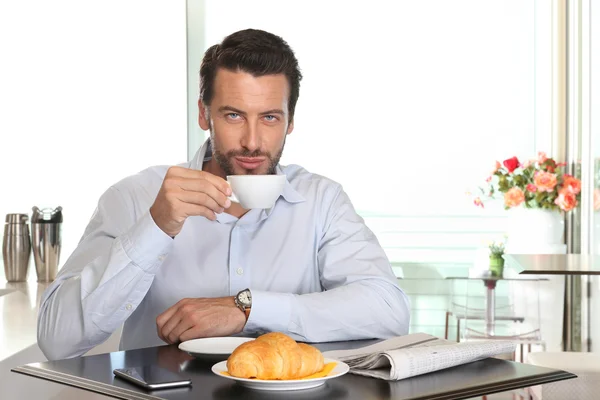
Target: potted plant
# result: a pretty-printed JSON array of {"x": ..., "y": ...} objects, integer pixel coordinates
[
  {"x": 537, "y": 193},
  {"x": 496, "y": 259}
]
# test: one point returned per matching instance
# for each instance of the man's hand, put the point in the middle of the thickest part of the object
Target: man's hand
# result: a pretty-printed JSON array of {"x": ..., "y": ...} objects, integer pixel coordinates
[
  {"x": 196, "y": 318},
  {"x": 186, "y": 192}
]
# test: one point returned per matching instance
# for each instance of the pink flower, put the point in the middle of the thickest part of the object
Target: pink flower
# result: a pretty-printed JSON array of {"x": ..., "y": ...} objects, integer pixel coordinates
[
  {"x": 498, "y": 166},
  {"x": 527, "y": 164},
  {"x": 545, "y": 181},
  {"x": 596, "y": 199},
  {"x": 489, "y": 179},
  {"x": 514, "y": 197},
  {"x": 478, "y": 202},
  {"x": 541, "y": 157},
  {"x": 571, "y": 184},
  {"x": 531, "y": 188},
  {"x": 566, "y": 200}
]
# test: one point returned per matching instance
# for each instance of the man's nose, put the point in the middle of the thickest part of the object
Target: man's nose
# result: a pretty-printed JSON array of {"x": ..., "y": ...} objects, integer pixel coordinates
[{"x": 251, "y": 137}]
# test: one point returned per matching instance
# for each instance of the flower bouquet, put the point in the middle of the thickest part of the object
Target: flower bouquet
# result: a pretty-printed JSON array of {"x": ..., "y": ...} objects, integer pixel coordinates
[{"x": 539, "y": 183}]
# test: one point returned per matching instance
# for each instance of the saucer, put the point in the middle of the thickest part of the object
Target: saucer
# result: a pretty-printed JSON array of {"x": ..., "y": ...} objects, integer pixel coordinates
[
  {"x": 215, "y": 346},
  {"x": 340, "y": 369}
]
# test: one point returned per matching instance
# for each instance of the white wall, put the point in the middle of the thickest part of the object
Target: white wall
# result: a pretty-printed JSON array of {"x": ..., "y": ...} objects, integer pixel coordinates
[{"x": 90, "y": 92}]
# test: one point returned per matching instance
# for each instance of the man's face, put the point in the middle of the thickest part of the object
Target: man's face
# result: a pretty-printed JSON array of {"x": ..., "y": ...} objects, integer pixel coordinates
[{"x": 248, "y": 121}]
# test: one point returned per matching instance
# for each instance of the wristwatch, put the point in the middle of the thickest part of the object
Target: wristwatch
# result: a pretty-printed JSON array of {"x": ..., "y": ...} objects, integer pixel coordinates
[{"x": 243, "y": 301}]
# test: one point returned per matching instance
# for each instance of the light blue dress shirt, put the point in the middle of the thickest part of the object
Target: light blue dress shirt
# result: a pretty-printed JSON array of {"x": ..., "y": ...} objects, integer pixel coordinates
[{"x": 316, "y": 272}]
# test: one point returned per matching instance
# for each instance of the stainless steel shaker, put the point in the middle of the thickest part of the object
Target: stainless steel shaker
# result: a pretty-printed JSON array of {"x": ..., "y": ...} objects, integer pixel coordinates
[
  {"x": 16, "y": 247},
  {"x": 46, "y": 229}
]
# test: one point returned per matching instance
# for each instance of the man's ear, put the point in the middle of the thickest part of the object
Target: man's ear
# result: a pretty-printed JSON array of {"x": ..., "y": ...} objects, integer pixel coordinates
[
  {"x": 203, "y": 117},
  {"x": 290, "y": 127}
]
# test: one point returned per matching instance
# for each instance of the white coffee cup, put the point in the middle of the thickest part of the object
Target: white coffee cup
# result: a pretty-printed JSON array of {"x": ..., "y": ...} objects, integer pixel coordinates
[{"x": 256, "y": 191}]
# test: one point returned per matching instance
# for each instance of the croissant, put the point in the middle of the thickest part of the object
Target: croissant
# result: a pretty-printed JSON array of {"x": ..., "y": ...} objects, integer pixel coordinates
[{"x": 274, "y": 356}]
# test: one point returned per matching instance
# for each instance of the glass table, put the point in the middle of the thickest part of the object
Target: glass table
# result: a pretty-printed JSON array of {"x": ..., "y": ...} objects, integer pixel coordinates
[{"x": 569, "y": 265}]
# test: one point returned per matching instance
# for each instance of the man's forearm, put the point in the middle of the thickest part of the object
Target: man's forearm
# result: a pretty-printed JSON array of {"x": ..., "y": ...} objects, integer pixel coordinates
[{"x": 367, "y": 309}]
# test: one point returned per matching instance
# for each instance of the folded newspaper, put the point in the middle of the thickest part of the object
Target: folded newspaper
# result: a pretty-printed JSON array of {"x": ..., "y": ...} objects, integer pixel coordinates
[{"x": 415, "y": 354}]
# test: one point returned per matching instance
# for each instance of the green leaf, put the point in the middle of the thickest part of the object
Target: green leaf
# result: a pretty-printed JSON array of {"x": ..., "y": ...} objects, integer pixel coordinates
[
  {"x": 533, "y": 203},
  {"x": 518, "y": 180},
  {"x": 539, "y": 197},
  {"x": 503, "y": 184}
]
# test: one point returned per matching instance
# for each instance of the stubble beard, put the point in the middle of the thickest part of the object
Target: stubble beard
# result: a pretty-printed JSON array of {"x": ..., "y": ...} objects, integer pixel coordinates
[{"x": 226, "y": 164}]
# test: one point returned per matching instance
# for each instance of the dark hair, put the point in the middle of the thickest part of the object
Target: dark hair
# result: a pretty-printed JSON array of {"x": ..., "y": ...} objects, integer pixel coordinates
[{"x": 253, "y": 51}]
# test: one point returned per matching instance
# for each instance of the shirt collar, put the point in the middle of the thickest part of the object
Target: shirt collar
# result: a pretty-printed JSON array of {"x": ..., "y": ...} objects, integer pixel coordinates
[{"x": 204, "y": 154}]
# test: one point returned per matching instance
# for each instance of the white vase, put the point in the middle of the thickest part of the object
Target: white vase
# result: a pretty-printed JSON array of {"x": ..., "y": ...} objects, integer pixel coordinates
[{"x": 535, "y": 230}]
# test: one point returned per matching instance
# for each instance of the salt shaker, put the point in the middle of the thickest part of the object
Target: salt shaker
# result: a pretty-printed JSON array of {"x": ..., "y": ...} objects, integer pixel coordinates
[
  {"x": 46, "y": 227},
  {"x": 16, "y": 247}
]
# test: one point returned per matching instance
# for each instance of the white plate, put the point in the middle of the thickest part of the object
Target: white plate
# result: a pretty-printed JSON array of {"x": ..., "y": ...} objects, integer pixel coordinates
[
  {"x": 340, "y": 369},
  {"x": 216, "y": 346}
]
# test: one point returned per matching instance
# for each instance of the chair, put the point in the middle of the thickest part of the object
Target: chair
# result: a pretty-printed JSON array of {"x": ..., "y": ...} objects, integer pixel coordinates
[
  {"x": 458, "y": 309},
  {"x": 488, "y": 311}
]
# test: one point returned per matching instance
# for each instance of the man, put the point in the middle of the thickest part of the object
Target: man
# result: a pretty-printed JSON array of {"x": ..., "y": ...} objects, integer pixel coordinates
[{"x": 168, "y": 255}]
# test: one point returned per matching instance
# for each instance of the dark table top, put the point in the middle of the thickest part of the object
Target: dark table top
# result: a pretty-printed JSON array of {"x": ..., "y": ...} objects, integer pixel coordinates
[{"x": 465, "y": 381}]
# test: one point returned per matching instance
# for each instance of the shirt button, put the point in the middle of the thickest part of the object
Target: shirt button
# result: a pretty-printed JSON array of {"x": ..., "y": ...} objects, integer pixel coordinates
[
  {"x": 240, "y": 271},
  {"x": 161, "y": 257},
  {"x": 129, "y": 306}
]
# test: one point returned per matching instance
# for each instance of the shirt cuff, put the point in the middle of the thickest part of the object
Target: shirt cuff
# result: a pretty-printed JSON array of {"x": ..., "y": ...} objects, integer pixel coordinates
[
  {"x": 146, "y": 244},
  {"x": 270, "y": 312}
]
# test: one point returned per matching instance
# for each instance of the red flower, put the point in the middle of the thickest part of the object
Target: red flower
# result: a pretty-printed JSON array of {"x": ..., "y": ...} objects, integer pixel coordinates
[
  {"x": 531, "y": 188},
  {"x": 511, "y": 164}
]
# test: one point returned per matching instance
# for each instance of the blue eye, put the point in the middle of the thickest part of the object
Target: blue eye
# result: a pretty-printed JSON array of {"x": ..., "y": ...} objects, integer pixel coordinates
[
  {"x": 270, "y": 118},
  {"x": 233, "y": 115}
]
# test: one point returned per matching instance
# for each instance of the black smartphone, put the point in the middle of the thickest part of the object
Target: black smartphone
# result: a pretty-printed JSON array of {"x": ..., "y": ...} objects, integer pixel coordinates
[{"x": 152, "y": 377}]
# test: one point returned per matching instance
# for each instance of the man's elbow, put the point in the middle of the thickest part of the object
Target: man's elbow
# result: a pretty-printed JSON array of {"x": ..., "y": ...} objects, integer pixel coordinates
[
  {"x": 50, "y": 345},
  {"x": 403, "y": 313},
  {"x": 54, "y": 344},
  {"x": 55, "y": 348},
  {"x": 399, "y": 312}
]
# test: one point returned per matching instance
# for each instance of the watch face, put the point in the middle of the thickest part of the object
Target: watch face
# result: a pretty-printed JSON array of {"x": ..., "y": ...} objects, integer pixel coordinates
[{"x": 244, "y": 298}]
